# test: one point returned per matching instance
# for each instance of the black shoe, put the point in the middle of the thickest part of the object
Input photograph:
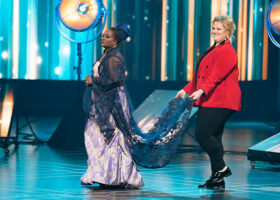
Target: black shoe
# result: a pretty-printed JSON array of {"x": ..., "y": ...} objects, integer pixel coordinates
[
  {"x": 210, "y": 179},
  {"x": 220, "y": 175},
  {"x": 129, "y": 187},
  {"x": 103, "y": 185},
  {"x": 213, "y": 185}
]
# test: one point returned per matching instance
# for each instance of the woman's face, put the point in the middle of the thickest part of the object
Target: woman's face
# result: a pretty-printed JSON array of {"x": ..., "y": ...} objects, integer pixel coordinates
[
  {"x": 218, "y": 32},
  {"x": 108, "y": 41}
]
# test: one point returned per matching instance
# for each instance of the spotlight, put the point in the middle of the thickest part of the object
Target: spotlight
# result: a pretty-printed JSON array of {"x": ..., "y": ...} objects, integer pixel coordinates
[
  {"x": 6, "y": 116},
  {"x": 273, "y": 21},
  {"x": 4, "y": 55},
  {"x": 81, "y": 15},
  {"x": 57, "y": 70}
]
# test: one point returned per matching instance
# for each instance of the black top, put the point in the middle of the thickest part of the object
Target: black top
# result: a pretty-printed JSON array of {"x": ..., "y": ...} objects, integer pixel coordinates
[{"x": 205, "y": 54}]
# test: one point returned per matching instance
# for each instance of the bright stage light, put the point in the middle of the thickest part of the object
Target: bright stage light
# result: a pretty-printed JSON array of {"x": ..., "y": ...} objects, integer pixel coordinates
[
  {"x": 275, "y": 17},
  {"x": 6, "y": 116},
  {"x": 39, "y": 60},
  {"x": 83, "y": 8},
  {"x": 57, "y": 70},
  {"x": 7, "y": 106},
  {"x": 80, "y": 15},
  {"x": 4, "y": 55},
  {"x": 273, "y": 22},
  {"x": 66, "y": 50}
]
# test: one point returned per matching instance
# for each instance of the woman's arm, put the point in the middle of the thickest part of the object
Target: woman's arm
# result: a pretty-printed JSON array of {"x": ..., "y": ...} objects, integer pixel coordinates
[{"x": 116, "y": 69}]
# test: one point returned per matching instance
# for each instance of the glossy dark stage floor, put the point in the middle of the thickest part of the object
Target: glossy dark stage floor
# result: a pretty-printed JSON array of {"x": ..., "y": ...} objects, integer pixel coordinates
[{"x": 41, "y": 172}]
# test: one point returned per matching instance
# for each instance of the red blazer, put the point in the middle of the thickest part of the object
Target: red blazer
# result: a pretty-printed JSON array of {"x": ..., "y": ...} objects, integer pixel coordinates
[{"x": 217, "y": 76}]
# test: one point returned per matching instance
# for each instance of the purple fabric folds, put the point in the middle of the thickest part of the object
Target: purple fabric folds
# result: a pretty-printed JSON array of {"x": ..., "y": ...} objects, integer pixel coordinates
[{"x": 110, "y": 164}]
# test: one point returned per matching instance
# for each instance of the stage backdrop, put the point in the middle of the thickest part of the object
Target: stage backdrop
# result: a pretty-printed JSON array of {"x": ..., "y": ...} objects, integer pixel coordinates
[{"x": 167, "y": 36}]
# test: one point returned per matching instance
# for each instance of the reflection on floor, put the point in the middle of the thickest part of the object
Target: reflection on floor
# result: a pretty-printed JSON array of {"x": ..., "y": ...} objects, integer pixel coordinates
[{"x": 40, "y": 172}]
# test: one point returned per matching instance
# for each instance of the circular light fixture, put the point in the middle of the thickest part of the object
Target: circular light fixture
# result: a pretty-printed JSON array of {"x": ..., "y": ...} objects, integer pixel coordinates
[
  {"x": 275, "y": 17},
  {"x": 273, "y": 21},
  {"x": 80, "y": 15}
]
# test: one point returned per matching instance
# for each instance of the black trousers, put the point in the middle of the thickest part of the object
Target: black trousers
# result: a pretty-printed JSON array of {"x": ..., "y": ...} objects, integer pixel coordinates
[{"x": 209, "y": 131}]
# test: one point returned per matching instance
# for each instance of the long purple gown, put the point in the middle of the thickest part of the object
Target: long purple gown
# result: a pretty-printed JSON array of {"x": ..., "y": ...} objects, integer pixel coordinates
[{"x": 113, "y": 141}]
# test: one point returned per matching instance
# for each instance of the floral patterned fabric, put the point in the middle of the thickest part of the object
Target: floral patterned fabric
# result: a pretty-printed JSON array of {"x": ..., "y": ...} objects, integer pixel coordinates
[{"x": 110, "y": 163}]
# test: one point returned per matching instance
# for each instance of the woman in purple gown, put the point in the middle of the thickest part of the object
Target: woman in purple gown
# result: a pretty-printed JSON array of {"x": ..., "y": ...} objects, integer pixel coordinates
[
  {"x": 109, "y": 157},
  {"x": 113, "y": 140}
]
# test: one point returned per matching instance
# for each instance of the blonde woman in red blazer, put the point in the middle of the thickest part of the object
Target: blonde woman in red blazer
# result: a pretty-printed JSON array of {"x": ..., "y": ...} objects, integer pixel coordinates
[{"x": 215, "y": 90}]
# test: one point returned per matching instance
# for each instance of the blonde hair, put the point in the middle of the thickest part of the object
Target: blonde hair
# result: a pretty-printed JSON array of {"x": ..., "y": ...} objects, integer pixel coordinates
[{"x": 227, "y": 23}]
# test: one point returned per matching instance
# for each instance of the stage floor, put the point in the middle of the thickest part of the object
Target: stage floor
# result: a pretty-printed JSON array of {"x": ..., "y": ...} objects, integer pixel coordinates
[{"x": 41, "y": 172}]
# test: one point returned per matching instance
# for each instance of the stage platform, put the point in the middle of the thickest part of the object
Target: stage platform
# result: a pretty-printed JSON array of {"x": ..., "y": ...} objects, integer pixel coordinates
[{"x": 43, "y": 172}]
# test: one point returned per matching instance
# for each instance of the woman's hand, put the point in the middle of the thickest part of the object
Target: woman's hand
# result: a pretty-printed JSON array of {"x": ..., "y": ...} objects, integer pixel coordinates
[
  {"x": 88, "y": 80},
  {"x": 196, "y": 95},
  {"x": 182, "y": 94}
]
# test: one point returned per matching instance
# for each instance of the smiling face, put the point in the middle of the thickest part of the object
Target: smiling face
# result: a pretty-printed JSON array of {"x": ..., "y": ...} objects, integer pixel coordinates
[
  {"x": 218, "y": 32},
  {"x": 108, "y": 41}
]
